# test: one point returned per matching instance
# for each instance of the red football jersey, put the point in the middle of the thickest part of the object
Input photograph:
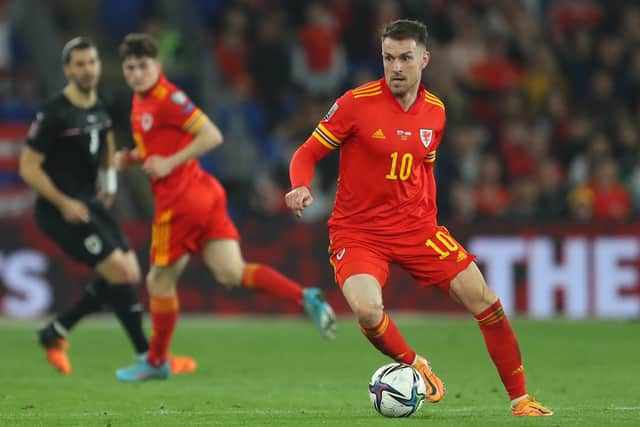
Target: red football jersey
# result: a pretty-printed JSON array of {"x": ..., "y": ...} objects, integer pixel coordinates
[
  {"x": 162, "y": 122},
  {"x": 385, "y": 181}
]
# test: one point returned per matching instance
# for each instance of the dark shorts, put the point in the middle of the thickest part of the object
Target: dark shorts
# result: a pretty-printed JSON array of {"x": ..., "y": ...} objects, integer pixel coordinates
[{"x": 88, "y": 243}]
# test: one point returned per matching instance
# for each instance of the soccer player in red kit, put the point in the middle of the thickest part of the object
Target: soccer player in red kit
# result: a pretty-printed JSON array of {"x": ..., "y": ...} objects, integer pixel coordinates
[
  {"x": 170, "y": 132},
  {"x": 388, "y": 132}
]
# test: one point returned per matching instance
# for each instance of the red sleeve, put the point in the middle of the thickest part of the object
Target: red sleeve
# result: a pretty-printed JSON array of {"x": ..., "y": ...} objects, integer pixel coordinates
[
  {"x": 337, "y": 125},
  {"x": 304, "y": 161},
  {"x": 180, "y": 112},
  {"x": 335, "y": 128}
]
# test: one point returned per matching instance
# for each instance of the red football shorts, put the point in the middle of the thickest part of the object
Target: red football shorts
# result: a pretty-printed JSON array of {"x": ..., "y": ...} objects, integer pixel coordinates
[
  {"x": 432, "y": 257},
  {"x": 189, "y": 222}
]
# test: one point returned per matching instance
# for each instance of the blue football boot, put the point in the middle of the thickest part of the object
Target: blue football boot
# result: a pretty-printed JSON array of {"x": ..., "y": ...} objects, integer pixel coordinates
[
  {"x": 142, "y": 371},
  {"x": 320, "y": 312}
]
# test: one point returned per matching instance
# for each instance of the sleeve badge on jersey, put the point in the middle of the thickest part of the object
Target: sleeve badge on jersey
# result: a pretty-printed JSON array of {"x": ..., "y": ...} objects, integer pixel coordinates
[
  {"x": 179, "y": 97},
  {"x": 426, "y": 135},
  {"x": 331, "y": 112},
  {"x": 189, "y": 108}
]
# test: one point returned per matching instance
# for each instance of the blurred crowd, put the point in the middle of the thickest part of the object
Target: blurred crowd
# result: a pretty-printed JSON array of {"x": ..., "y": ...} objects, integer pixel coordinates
[{"x": 542, "y": 98}]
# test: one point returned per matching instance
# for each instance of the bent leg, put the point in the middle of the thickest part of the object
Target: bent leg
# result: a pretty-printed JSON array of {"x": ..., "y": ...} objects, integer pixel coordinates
[
  {"x": 471, "y": 290},
  {"x": 121, "y": 271},
  {"x": 116, "y": 268},
  {"x": 91, "y": 301},
  {"x": 224, "y": 260},
  {"x": 364, "y": 295},
  {"x": 164, "y": 307}
]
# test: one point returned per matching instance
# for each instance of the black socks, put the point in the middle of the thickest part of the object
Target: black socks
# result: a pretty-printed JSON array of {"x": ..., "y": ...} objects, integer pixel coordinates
[
  {"x": 123, "y": 299},
  {"x": 90, "y": 302}
]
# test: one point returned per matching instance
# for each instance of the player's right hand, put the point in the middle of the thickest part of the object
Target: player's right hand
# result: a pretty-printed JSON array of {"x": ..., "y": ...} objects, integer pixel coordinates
[
  {"x": 74, "y": 211},
  {"x": 124, "y": 157},
  {"x": 298, "y": 199},
  {"x": 121, "y": 159}
]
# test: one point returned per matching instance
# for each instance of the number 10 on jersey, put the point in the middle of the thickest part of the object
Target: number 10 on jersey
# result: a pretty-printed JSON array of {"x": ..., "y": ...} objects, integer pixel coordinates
[{"x": 404, "y": 171}]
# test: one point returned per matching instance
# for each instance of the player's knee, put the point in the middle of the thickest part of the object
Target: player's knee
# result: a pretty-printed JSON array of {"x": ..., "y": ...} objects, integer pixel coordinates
[
  {"x": 130, "y": 272},
  {"x": 133, "y": 268},
  {"x": 159, "y": 284},
  {"x": 121, "y": 269},
  {"x": 228, "y": 276},
  {"x": 488, "y": 295},
  {"x": 367, "y": 314}
]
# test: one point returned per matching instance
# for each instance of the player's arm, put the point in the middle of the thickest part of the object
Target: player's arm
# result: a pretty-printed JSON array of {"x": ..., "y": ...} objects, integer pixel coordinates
[
  {"x": 126, "y": 157},
  {"x": 301, "y": 170},
  {"x": 336, "y": 127},
  {"x": 180, "y": 112},
  {"x": 107, "y": 175},
  {"x": 34, "y": 175},
  {"x": 206, "y": 137}
]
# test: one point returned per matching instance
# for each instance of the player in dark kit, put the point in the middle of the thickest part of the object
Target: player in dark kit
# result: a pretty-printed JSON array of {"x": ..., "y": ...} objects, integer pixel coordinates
[{"x": 69, "y": 151}]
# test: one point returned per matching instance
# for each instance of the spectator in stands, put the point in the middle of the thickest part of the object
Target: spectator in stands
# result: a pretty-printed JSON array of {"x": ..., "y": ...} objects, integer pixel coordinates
[
  {"x": 595, "y": 149},
  {"x": 270, "y": 66},
  {"x": 547, "y": 81},
  {"x": 491, "y": 197},
  {"x": 231, "y": 47},
  {"x": 319, "y": 62},
  {"x": 525, "y": 198},
  {"x": 461, "y": 199},
  {"x": 604, "y": 196},
  {"x": 553, "y": 189}
]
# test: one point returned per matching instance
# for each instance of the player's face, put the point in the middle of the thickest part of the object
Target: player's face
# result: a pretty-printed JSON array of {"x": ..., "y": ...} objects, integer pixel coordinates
[
  {"x": 140, "y": 73},
  {"x": 83, "y": 69},
  {"x": 403, "y": 62}
]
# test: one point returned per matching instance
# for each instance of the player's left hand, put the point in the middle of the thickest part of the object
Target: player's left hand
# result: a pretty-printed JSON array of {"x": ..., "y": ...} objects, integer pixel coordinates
[
  {"x": 157, "y": 167},
  {"x": 106, "y": 199}
]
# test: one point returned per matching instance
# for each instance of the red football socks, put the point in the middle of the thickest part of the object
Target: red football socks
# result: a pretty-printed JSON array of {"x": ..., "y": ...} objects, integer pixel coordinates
[
  {"x": 387, "y": 338},
  {"x": 164, "y": 315},
  {"x": 503, "y": 348},
  {"x": 265, "y": 278}
]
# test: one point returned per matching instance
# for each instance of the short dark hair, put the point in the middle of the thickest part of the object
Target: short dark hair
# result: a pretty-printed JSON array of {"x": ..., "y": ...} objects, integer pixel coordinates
[
  {"x": 77, "y": 43},
  {"x": 403, "y": 29},
  {"x": 138, "y": 45}
]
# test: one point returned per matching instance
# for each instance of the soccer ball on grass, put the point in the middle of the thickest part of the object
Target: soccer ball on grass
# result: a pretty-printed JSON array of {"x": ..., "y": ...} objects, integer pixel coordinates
[{"x": 397, "y": 390}]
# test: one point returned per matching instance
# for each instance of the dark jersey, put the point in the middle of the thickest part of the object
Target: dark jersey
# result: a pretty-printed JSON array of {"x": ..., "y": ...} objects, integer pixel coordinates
[{"x": 73, "y": 140}]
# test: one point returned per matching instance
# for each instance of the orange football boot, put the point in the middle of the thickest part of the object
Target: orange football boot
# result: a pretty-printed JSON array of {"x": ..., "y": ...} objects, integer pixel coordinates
[
  {"x": 529, "y": 407},
  {"x": 182, "y": 364},
  {"x": 435, "y": 386},
  {"x": 57, "y": 356}
]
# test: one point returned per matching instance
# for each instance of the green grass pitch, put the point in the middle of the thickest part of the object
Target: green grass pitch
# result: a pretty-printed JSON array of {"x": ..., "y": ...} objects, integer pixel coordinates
[{"x": 279, "y": 372}]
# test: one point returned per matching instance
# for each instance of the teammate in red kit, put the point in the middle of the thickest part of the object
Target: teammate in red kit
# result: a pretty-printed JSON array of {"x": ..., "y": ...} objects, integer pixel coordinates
[
  {"x": 388, "y": 132},
  {"x": 170, "y": 132}
]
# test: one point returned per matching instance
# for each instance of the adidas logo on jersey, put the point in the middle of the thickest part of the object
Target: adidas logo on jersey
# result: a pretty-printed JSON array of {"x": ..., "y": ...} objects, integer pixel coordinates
[{"x": 378, "y": 134}]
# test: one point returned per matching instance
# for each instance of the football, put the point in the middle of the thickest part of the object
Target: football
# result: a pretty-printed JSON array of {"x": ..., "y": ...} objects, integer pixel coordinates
[{"x": 397, "y": 390}]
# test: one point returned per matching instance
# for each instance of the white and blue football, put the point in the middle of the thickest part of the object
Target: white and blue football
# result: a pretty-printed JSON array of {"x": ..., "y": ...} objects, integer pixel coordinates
[{"x": 397, "y": 390}]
